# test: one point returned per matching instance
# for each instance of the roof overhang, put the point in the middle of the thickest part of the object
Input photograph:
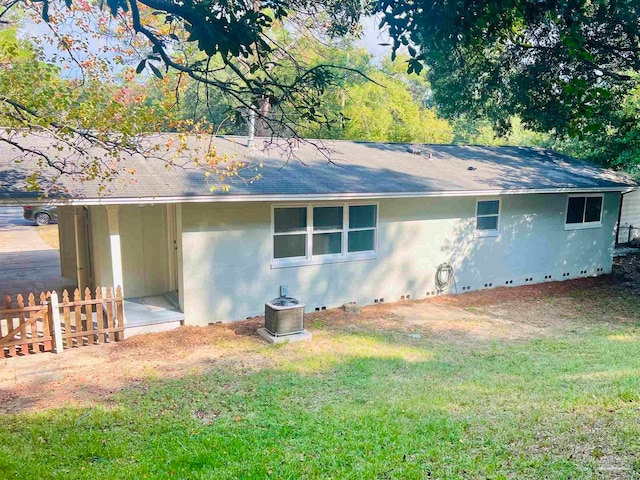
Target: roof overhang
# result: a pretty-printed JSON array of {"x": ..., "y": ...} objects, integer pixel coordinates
[{"x": 221, "y": 198}]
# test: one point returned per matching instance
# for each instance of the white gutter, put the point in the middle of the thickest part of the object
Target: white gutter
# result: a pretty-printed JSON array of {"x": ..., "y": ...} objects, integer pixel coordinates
[{"x": 304, "y": 197}]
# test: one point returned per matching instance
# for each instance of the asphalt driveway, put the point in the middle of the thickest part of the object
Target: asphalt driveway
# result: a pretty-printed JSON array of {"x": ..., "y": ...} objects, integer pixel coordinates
[{"x": 27, "y": 263}]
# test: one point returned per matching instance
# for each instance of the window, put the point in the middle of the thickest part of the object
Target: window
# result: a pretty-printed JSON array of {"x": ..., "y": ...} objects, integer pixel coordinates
[
  {"x": 584, "y": 211},
  {"x": 290, "y": 232},
  {"x": 487, "y": 216},
  {"x": 362, "y": 228},
  {"x": 323, "y": 233},
  {"x": 328, "y": 223}
]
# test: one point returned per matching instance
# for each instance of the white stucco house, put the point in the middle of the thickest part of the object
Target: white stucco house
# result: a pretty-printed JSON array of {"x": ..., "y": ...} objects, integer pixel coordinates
[{"x": 372, "y": 225}]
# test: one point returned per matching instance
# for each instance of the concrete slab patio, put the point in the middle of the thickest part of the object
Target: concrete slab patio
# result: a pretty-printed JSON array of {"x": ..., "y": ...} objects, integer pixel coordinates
[{"x": 27, "y": 263}]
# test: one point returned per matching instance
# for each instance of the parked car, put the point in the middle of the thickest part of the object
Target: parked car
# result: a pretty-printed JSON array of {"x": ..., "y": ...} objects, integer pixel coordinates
[{"x": 41, "y": 215}]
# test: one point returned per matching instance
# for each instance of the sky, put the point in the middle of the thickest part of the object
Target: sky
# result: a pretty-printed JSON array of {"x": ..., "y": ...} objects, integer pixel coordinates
[
  {"x": 373, "y": 37},
  {"x": 371, "y": 40}
]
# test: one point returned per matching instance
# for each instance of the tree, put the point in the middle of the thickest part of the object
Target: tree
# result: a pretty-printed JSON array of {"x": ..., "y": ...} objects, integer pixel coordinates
[
  {"x": 559, "y": 66},
  {"x": 229, "y": 48},
  {"x": 385, "y": 111}
]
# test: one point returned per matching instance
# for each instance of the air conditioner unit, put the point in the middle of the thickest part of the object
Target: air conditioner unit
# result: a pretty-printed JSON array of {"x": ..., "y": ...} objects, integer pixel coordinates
[{"x": 283, "y": 316}]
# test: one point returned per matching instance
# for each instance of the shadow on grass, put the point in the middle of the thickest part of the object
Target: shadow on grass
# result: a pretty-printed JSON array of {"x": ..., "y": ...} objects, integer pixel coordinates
[{"x": 384, "y": 411}]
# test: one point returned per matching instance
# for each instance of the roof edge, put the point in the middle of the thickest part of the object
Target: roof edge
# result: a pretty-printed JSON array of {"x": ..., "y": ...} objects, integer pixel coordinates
[{"x": 303, "y": 197}]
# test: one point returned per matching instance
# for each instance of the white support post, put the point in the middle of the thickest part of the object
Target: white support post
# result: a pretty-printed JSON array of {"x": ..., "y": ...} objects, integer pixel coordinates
[
  {"x": 116, "y": 252},
  {"x": 114, "y": 242},
  {"x": 55, "y": 321}
]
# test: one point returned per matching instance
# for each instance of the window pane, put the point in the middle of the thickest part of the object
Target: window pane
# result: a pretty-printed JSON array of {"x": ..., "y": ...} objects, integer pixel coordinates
[
  {"x": 327, "y": 243},
  {"x": 362, "y": 216},
  {"x": 362, "y": 241},
  {"x": 575, "y": 209},
  {"x": 594, "y": 209},
  {"x": 286, "y": 246},
  {"x": 290, "y": 219},
  {"x": 487, "y": 223},
  {"x": 488, "y": 207},
  {"x": 327, "y": 218}
]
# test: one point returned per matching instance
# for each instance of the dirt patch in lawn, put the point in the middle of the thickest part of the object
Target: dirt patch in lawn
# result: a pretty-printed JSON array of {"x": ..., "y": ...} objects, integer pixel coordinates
[
  {"x": 91, "y": 375},
  {"x": 626, "y": 273}
]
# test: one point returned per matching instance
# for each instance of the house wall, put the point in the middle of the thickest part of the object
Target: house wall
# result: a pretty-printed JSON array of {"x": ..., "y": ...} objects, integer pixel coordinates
[
  {"x": 227, "y": 254},
  {"x": 144, "y": 243},
  {"x": 630, "y": 216},
  {"x": 100, "y": 248},
  {"x": 66, "y": 234}
]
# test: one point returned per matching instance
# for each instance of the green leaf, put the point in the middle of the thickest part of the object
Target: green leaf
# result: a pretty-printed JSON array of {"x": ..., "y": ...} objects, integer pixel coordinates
[
  {"x": 155, "y": 70},
  {"x": 141, "y": 66},
  {"x": 45, "y": 11}
]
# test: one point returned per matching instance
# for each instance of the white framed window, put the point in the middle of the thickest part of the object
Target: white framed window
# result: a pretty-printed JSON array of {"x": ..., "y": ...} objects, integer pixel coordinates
[
  {"x": 584, "y": 211},
  {"x": 290, "y": 232},
  {"x": 487, "y": 217},
  {"x": 323, "y": 233}
]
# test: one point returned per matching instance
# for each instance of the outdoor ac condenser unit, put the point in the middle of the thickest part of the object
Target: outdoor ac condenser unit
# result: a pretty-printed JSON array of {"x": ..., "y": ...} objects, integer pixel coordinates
[{"x": 283, "y": 316}]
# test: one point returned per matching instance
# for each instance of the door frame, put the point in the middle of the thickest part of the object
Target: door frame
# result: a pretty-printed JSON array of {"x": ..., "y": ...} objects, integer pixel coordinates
[{"x": 174, "y": 233}]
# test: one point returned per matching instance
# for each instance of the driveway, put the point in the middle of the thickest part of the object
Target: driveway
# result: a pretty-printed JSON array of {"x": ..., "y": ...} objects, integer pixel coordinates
[{"x": 27, "y": 263}]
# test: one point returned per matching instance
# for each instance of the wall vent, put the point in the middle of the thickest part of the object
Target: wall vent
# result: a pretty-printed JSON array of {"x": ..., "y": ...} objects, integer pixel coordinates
[
  {"x": 547, "y": 277},
  {"x": 508, "y": 282}
]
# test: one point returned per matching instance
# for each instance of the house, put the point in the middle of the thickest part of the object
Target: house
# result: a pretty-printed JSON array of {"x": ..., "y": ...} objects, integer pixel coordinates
[{"x": 371, "y": 225}]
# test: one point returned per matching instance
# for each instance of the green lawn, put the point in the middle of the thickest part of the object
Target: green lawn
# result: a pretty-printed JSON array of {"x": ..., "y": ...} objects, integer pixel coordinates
[{"x": 369, "y": 402}]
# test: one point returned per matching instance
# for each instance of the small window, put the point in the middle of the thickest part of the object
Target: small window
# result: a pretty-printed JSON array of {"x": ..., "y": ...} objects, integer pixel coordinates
[
  {"x": 362, "y": 228},
  {"x": 290, "y": 232},
  {"x": 329, "y": 221},
  {"x": 487, "y": 215},
  {"x": 584, "y": 211}
]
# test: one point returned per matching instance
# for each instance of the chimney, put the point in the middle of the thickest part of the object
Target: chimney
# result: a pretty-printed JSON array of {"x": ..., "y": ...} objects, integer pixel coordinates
[{"x": 252, "y": 130}]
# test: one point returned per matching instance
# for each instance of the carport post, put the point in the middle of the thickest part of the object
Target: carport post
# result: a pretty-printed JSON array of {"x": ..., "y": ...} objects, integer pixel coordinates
[{"x": 55, "y": 320}]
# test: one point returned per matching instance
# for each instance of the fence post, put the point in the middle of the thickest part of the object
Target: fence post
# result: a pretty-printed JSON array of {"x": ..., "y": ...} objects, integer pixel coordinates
[{"x": 55, "y": 320}]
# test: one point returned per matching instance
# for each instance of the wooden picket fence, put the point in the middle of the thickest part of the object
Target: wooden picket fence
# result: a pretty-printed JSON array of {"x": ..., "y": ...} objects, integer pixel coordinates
[
  {"x": 25, "y": 328},
  {"x": 53, "y": 325}
]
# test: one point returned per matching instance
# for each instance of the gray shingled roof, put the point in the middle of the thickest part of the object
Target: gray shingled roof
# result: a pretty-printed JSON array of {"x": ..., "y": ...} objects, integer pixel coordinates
[{"x": 355, "y": 168}]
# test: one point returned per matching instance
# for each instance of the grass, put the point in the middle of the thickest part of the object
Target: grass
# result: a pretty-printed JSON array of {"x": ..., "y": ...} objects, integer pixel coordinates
[
  {"x": 366, "y": 402},
  {"x": 49, "y": 233}
]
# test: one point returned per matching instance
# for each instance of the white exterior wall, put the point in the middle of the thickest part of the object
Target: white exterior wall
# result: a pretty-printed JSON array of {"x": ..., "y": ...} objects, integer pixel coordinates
[
  {"x": 630, "y": 215},
  {"x": 100, "y": 249},
  {"x": 144, "y": 244},
  {"x": 66, "y": 234},
  {"x": 227, "y": 254}
]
